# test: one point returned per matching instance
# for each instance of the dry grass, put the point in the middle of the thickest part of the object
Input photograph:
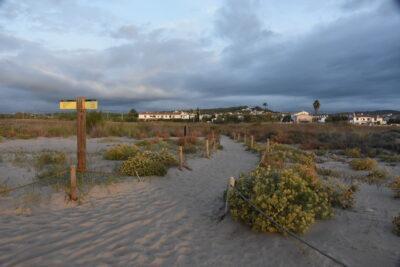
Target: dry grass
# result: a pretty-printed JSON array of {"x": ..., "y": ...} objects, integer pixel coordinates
[
  {"x": 33, "y": 128},
  {"x": 369, "y": 139}
]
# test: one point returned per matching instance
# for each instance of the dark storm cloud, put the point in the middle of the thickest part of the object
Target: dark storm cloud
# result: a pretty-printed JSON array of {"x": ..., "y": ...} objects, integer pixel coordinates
[
  {"x": 355, "y": 57},
  {"x": 348, "y": 63}
]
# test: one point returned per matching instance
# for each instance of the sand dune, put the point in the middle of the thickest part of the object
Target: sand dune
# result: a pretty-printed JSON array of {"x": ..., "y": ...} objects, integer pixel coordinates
[{"x": 174, "y": 221}]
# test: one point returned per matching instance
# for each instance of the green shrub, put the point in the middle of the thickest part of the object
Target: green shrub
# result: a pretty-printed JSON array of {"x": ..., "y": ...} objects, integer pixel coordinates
[
  {"x": 50, "y": 158},
  {"x": 286, "y": 196},
  {"x": 148, "y": 164},
  {"x": 321, "y": 152},
  {"x": 353, "y": 153},
  {"x": 396, "y": 225},
  {"x": 4, "y": 190},
  {"x": 142, "y": 165},
  {"x": 94, "y": 119},
  {"x": 340, "y": 194},
  {"x": 390, "y": 158},
  {"x": 327, "y": 172},
  {"x": 121, "y": 152},
  {"x": 163, "y": 157},
  {"x": 189, "y": 148},
  {"x": 395, "y": 186},
  {"x": 377, "y": 176},
  {"x": 366, "y": 164}
]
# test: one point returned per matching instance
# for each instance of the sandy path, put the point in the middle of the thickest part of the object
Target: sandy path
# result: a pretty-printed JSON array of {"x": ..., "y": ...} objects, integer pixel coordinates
[{"x": 172, "y": 221}]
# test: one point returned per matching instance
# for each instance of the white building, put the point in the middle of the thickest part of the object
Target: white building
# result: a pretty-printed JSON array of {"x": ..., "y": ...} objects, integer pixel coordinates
[
  {"x": 176, "y": 115},
  {"x": 302, "y": 117},
  {"x": 361, "y": 119}
]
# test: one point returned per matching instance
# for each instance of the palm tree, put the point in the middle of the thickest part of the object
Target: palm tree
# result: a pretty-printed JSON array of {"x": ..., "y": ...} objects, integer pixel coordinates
[
  {"x": 316, "y": 105},
  {"x": 265, "y": 106}
]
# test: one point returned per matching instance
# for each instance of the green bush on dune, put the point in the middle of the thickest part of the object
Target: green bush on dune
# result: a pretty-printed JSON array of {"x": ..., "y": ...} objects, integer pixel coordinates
[
  {"x": 286, "y": 187},
  {"x": 148, "y": 163},
  {"x": 366, "y": 164},
  {"x": 121, "y": 152}
]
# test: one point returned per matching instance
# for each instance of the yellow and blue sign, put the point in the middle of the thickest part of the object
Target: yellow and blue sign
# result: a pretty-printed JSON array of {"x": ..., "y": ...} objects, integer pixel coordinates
[{"x": 71, "y": 104}]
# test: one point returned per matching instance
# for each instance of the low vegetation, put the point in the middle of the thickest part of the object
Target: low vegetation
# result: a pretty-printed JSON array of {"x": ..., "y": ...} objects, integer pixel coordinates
[
  {"x": 353, "y": 153},
  {"x": 148, "y": 163},
  {"x": 50, "y": 158},
  {"x": 50, "y": 165},
  {"x": 121, "y": 152},
  {"x": 368, "y": 139},
  {"x": 340, "y": 195},
  {"x": 396, "y": 225},
  {"x": 286, "y": 187},
  {"x": 284, "y": 196},
  {"x": 395, "y": 186},
  {"x": 376, "y": 177},
  {"x": 366, "y": 164},
  {"x": 327, "y": 172},
  {"x": 4, "y": 189}
]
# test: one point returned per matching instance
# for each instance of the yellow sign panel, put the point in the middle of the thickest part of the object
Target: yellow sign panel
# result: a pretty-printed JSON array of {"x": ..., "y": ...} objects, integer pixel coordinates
[{"x": 71, "y": 104}]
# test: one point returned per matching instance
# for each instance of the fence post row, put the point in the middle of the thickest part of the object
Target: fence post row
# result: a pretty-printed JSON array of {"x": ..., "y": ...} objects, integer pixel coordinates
[{"x": 73, "y": 192}]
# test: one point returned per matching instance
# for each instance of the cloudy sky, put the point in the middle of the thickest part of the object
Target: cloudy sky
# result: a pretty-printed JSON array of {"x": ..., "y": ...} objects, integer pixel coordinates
[{"x": 157, "y": 54}]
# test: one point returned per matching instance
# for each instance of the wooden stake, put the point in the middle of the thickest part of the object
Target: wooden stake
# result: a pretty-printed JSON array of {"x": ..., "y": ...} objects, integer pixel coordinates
[
  {"x": 180, "y": 152},
  {"x": 245, "y": 139},
  {"x": 238, "y": 137},
  {"x": 268, "y": 147},
  {"x": 231, "y": 184},
  {"x": 252, "y": 141},
  {"x": 73, "y": 193},
  {"x": 81, "y": 134},
  {"x": 207, "y": 149},
  {"x": 213, "y": 140}
]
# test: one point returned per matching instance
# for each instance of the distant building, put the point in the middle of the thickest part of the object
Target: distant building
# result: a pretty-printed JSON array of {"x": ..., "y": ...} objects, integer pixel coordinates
[
  {"x": 176, "y": 115},
  {"x": 320, "y": 118},
  {"x": 361, "y": 119},
  {"x": 302, "y": 117}
]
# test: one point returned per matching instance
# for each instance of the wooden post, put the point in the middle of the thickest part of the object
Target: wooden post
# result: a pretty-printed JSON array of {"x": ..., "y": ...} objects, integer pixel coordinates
[
  {"x": 238, "y": 138},
  {"x": 252, "y": 141},
  {"x": 73, "y": 193},
  {"x": 268, "y": 147},
  {"x": 245, "y": 139},
  {"x": 207, "y": 149},
  {"x": 214, "y": 146},
  {"x": 185, "y": 130},
  {"x": 231, "y": 185},
  {"x": 81, "y": 134},
  {"x": 180, "y": 152}
]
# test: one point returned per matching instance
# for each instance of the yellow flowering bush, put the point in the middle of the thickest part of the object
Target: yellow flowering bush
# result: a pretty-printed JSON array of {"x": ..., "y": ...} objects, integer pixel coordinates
[
  {"x": 285, "y": 196},
  {"x": 148, "y": 163}
]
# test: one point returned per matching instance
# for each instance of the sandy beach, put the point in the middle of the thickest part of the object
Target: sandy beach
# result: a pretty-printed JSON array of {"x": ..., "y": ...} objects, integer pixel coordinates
[{"x": 175, "y": 221}]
